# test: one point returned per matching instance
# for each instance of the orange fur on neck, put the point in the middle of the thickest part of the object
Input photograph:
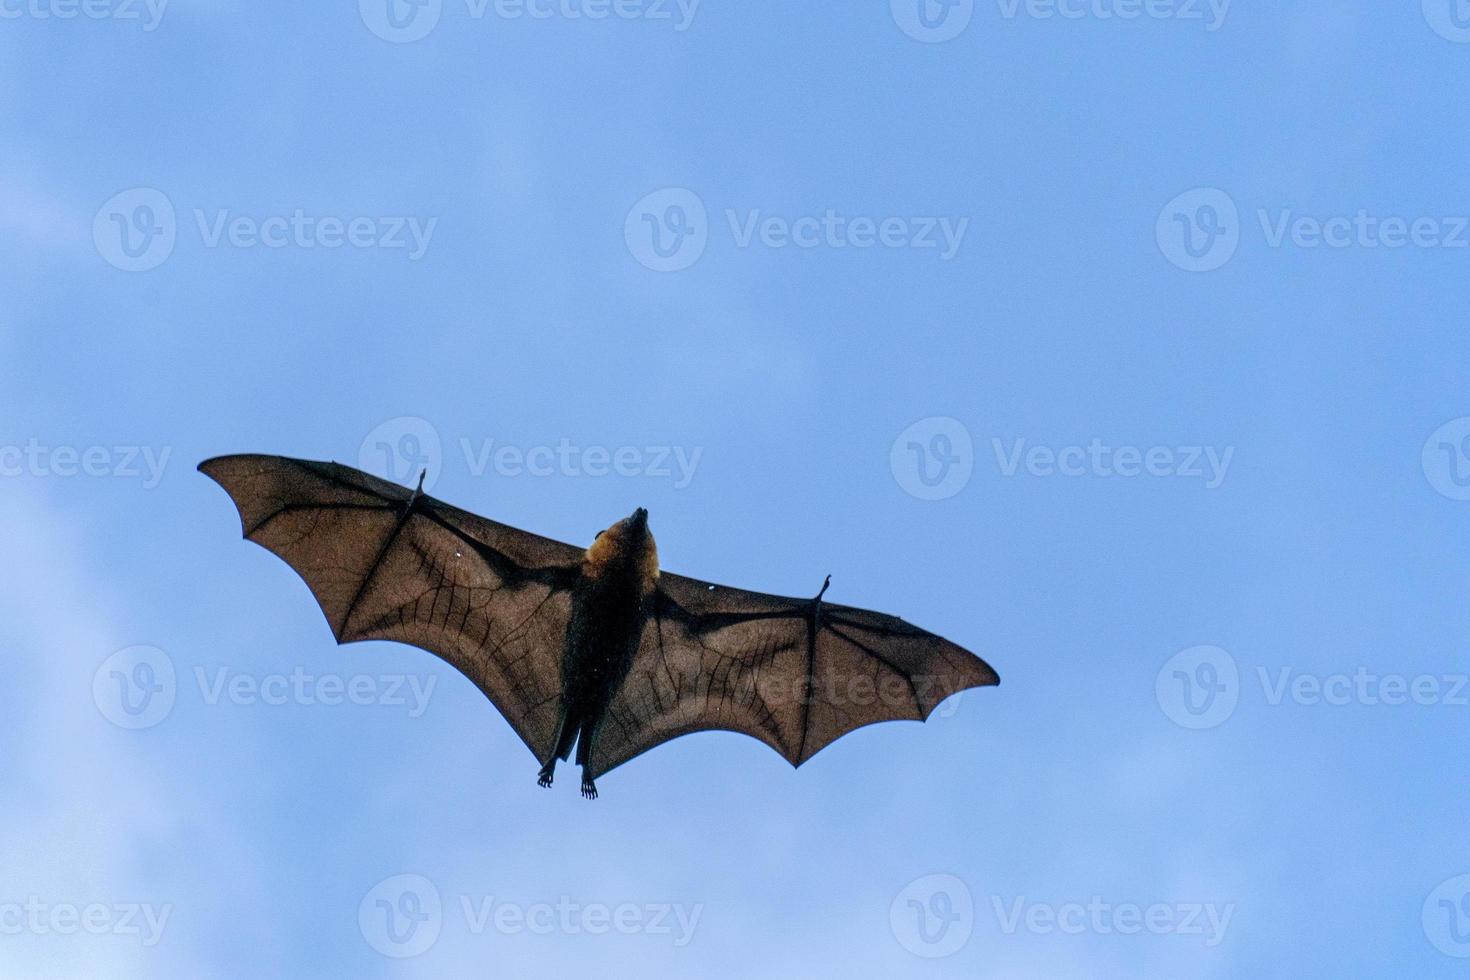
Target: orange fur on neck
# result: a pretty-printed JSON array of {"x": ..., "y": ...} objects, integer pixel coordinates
[{"x": 614, "y": 544}]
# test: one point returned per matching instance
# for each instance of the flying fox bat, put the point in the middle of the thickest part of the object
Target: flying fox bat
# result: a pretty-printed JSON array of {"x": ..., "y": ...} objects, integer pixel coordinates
[{"x": 596, "y": 648}]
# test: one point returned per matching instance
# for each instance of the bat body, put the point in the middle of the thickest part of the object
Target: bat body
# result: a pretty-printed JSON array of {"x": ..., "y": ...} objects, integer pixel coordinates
[
  {"x": 616, "y": 588},
  {"x": 594, "y": 648}
]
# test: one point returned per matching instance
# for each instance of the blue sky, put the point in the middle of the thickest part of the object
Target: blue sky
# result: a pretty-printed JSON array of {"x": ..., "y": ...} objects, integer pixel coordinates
[{"x": 1122, "y": 343}]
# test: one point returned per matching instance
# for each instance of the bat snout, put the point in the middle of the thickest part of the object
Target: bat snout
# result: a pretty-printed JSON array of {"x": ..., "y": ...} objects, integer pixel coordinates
[{"x": 639, "y": 517}]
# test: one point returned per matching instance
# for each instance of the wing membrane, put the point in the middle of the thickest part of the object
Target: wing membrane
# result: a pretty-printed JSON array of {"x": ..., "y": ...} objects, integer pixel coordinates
[
  {"x": 796, "y": 674},
  {"x": 387, "y": 563}
]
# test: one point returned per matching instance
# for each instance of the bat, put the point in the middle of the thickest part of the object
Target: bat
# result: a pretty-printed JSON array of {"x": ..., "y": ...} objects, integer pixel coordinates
[{"x": 595, "y": 648}]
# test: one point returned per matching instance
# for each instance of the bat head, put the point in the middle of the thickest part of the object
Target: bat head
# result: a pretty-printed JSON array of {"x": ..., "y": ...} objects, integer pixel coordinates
[{"x": 629, "y": 540}]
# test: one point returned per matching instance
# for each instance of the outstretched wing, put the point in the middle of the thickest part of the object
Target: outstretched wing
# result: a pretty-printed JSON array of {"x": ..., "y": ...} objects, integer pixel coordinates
[
  {"x": 796, "y": 674},
  {"x": 388, "y": 563}
]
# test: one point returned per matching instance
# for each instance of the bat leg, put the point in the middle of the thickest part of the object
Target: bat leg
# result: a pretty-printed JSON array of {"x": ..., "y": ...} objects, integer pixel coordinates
[
  {"x": 590, "y": 723},
  {"x": 564, "y": 735}
]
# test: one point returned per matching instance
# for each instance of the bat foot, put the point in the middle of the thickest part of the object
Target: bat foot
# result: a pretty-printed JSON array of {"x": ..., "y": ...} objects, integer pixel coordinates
[
  {"x": 589, "y": 790},
  {"x": 543, "y": 778}
]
